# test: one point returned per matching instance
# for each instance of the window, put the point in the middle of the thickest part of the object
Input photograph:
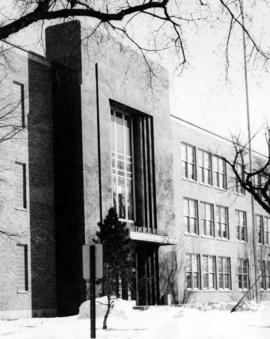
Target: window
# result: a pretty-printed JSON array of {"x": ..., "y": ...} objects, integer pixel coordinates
[
  {"x": 222, "y": 226},
  {"x": 268, "y": 275},
  {"x": 20, "y": 177},
  {"x": 207, "y": 219},
  {"x": 241, "y": 227},
  {"x": 260, "y": 180},
  {"x": 18, "y": 107},
  {"x": 219, "y": 165},
  {"x": 191, "y": 216},
  {"x": 193, "y": 271},
  {"x": 243, "y": 277},
  {"x": 188, "y": 161},
  {"x": 21, "y": 268},
  {"x": 224, "y": 273},
  {"x": 209, "y": 272},
  {"x": 259, "y": 225},
  {"x": 122, "y": 165},
  {"x": 204, "y": 167},
  {"x": 238, "y": 187},
  {"x": 262, "y": 274},
  {"x": 266, "y": 230}
]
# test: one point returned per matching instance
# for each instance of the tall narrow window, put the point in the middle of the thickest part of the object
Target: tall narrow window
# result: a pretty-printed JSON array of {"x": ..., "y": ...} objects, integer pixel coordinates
[
  {"x": 204, "y": 167},
  {"x": 122, "y": 165},
  {"x": 222, "y": 225},
  {"x": 268, "y": 275},
  {"x": 188, "y": 161},
  {"x": 21, "y": 196},
  {"x": 238, "y": 187},
  {"x": 207, "y": 219},
  {"x": 193, "y": 271},
  {"x": 259, "y": 225},
  {"x": 191, "y": 216},
  {"x": 243, "y": 276},
  {"x": 262, "y": 274},
  {"x": 224, "y": 273},
  {"x": 266, "y": 230},
  {"x": 21, "y": 268},
  {"x": 241, "y": 227},
  {"x": 18, "y": 109},
  {"x": 209, "y": 272},
  {"x": 220, "y": 179}
]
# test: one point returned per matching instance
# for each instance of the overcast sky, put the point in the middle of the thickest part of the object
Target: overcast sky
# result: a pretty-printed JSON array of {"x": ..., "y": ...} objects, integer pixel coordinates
[{"x": 201, "y": 94}]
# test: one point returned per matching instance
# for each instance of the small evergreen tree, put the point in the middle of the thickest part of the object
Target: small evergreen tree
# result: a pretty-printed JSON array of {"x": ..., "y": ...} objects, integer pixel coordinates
[{"x": 118, "y": 257}]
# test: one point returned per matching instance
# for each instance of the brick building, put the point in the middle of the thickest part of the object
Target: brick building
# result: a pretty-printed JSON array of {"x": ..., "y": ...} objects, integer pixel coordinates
[{"x": 86, "y": 120}]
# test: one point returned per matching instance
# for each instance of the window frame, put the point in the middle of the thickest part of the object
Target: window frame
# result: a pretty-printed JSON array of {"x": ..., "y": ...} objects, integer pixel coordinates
[
  {"x": 114, "y": 111},
  {"x": 217, "y": 174},
  {"x": 186, "y": 163},
  {"x": 22, "y": 102},
  {"x": 192, "y": 272},
  {"x": 24, "y": 202},
  {"x": 262, "y": 274},
  {"x": 260, "y": 229},
  {"x": 239, "y": 189},
  {"x": 242, "y": 265},
  {"x": 204, "y": 221},
  {"x": 202, "y": 168},
  {"x": 240, "y": 228},
  {"x": 266, "y": 230},
  {"x": 207, "y": 273},
  {"x": 222, "y": 273},
  {"x": 188, "y": 217},
  {"x": 219, "y": 223},
  {"x": 25, "y": 268}
]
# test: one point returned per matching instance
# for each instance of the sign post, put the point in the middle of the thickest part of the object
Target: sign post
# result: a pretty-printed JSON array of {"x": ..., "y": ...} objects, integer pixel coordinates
[
  {"x": 92, "y": 270},
  {"x": 93, "y": 291}
]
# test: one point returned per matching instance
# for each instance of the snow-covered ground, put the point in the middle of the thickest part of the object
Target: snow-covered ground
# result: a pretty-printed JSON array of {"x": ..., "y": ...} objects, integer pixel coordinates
[{"x": 162, "y": 322}]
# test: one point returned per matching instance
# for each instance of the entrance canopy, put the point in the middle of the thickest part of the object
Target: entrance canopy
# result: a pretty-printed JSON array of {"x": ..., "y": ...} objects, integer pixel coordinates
[{"x": 139, "y": 233}]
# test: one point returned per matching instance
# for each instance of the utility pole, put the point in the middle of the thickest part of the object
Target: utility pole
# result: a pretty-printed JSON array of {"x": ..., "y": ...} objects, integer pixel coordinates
[{"x": 249, "y": 149}]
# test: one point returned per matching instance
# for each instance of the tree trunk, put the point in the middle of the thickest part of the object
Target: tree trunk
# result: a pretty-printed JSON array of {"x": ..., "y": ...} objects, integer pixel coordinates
[{"x": 104, "y": 327}]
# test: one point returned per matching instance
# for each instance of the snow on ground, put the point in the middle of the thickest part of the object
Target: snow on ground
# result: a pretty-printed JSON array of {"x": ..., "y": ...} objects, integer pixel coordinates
[{"x": 160, "y": 322}]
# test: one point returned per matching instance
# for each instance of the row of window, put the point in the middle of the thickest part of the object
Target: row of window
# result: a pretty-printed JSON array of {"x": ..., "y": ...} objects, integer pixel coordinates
[
  {"x": 210, "y": 273},
  {"x": 213, "y": 221},
  {"x": 205, "y": 167}
]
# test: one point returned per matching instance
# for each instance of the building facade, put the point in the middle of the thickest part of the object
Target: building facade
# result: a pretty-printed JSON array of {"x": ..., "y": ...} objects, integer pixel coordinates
[{"x": 85, "y": 133}]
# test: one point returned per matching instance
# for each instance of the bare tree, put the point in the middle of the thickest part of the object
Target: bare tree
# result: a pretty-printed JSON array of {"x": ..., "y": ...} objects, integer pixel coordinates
[
  {"x": 255, "y": 179},
  {"x": 169, "y": 21}
]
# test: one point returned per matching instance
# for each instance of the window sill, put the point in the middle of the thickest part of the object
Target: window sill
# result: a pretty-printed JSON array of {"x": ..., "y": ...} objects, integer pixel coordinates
[
  {"x": 224, "y": 290},
  {"x": 206, "y": 185},
  {"x": 241, "y": 241},
  {"x": 190, "y": 180},
  {"x": 239, "y": 194},
  {"x": 208, "y": 237},
  {"x": 192, "y": 235},
  {"x": 21, "y": 209},
  {"x": 222, "y": 239},
  {"x": 22, "y": 292},
  {"x": 220, "y": 189}
]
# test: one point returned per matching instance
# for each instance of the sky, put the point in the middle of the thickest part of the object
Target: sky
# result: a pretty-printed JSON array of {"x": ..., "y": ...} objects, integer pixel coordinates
[{"x": 202, "y": 94}]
